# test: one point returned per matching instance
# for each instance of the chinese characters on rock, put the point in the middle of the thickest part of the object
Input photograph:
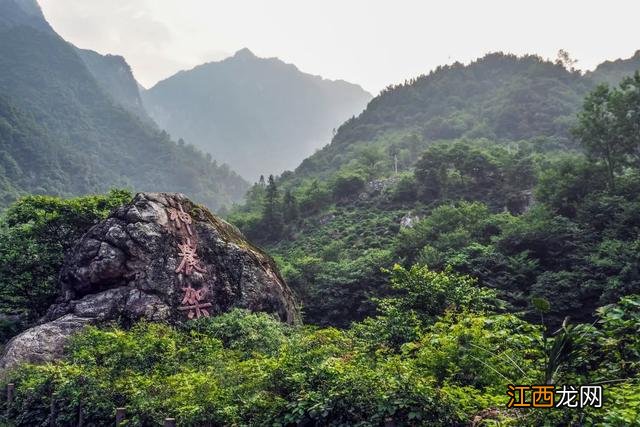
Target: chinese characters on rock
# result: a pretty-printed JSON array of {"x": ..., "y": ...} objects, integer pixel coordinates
[
  {"x": 189, "y": 261},
  {"x": 192, "y": 300},
  {"x": 180, "y": 217}
]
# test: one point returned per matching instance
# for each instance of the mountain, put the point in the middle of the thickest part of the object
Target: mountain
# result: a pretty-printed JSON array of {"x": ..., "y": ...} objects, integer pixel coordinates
[
  {"x": 114, "y": 76},
  {"x": 259, "y": 115},
  {"x": 64, "y": 132},
  {"x": 611, "y": 72},
  {"x": 500, "y": 97}
]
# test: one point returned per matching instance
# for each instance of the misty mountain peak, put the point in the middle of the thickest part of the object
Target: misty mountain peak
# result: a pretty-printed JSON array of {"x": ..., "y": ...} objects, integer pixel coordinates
[
  {"x": 259, "y": 115},
  {"x": 244, "y": 53}
]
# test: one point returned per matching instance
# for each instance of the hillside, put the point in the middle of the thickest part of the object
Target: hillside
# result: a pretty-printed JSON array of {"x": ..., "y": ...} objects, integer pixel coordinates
[
  {"x": 489, "y": 182},
  {"x": 611, "y": 72},
  {"x": 87, "y": 142},
  {"x": 259, "y": 115},
  {"x": 114, "y": 76},
  {"x": 498, "y": 97}
]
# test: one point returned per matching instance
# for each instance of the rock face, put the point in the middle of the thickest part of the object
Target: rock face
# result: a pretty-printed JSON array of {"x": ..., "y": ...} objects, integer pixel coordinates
[
  {"x": 160, "y": 258},
  {"x": 409, "y": 220}
]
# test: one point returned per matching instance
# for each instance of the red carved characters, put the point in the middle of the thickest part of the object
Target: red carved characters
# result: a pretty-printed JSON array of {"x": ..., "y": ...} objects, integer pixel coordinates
[
  {"x": 192, "y": 302},
  {"x": 189, "y": 261},
  {"x": 180, "y": 217}
]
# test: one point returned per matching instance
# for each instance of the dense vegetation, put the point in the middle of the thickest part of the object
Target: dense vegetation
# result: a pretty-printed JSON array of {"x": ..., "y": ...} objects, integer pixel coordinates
[
  {"x": 547, "y": 217},
  {"x": 455, "y": 361},
  {"x": 550, "y": 224},
  {"x": 62, "y": 134},
  {"x": 115, "y": 77},
  {"x": 499, "y": 97}
]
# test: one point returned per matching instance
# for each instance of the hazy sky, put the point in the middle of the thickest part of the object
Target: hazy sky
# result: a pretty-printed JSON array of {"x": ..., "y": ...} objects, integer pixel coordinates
[{"x": 369, "y": 42}]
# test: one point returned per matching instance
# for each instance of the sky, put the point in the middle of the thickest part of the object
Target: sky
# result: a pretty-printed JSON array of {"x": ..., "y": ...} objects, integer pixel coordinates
[{"x": 373, "y": 43}]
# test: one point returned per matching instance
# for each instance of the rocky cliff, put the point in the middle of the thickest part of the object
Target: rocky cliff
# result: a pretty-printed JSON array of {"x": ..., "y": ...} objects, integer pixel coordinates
[{"x": 160, "y": 258}]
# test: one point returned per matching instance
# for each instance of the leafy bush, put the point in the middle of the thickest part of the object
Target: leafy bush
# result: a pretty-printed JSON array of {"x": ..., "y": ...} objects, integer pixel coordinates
[
  {"x": 347, "y": 185},
  {"x": 35, "y": 233},
  {"x": 242, "y": 330}
]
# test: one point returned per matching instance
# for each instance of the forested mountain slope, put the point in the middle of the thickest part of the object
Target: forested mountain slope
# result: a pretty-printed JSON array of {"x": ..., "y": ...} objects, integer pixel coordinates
[
  {"x": 260, "y": 115},
  {"x": 89, "y": 141},
  {"x": 114, "y": 76},
  {"x": 490, "y": 182},
  {"x": 499, "y": 97},
  {"x": 611, "y": 72}
]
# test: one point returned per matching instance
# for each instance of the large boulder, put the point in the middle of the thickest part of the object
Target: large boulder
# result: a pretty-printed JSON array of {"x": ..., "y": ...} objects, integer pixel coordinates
[{"x": 161, "y": 258}]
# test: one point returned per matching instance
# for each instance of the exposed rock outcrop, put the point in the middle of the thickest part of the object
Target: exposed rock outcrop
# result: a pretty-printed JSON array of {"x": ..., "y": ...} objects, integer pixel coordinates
[{"x": 160, "y": 258}]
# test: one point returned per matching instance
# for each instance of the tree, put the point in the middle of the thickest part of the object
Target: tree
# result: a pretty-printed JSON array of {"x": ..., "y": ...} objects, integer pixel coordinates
[
  {"x": 626, "y": 104},
  {"x": 609, "y": 126},
  {"x": 289, "y": 207},
  {"x": 564, "y": 58},
  {"x": 347, "y": 185},
  {"x": 271, "y": 212},
  {"x": 313, "y": 196},
  {"x": 596, "y": 130}
]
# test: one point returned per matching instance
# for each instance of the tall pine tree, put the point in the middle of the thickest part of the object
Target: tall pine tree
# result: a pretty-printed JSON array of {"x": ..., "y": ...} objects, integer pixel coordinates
[
  {"x": 272, "y": 213},
  {"x": 289, "y": 207}
]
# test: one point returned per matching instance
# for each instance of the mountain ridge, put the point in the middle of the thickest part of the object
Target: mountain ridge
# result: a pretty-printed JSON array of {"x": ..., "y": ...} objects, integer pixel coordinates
[
  {"x": 261, "y": 115},
  {"x": 497, "y": 97},
  {"x": 114, "y": 75}
]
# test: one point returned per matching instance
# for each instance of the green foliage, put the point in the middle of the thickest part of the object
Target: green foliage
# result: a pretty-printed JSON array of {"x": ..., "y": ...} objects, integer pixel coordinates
[
  {"x": 337, "y": 281},
  {"x": 35, "y": 233},
  {"x": 271, "y": 221},
  {"x": 243, "y": 331},
  {"x": 429, "y": 293},
  {"x": 347, "y": 185},
  {"x": 314, "y": 377},
  {"x": 221, "y": 371},
  {"x": 479, "y": 351},
  {"x": 605, "y": 352},
  {"x": 608, "y": 126},
  {"x": 494, "y": 97},
  {"x": 567, "y": 182},
  {"x": 312, "y": 196},
  {"x": 462, "y": 172},
  {"x": 405, "y": 190},
  {"x": 419, "y": 296}
]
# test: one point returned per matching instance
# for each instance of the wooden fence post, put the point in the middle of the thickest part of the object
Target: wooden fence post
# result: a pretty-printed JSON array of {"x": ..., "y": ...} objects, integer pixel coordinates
[
  {"x": 52, "y": 412},
  {"x": 10, "y": 388},
  {"x": 80, "y": 416},
  {"x": 120, "y": 412}
]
